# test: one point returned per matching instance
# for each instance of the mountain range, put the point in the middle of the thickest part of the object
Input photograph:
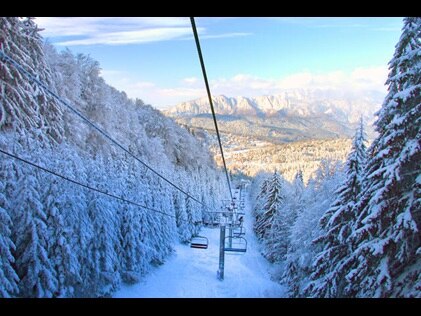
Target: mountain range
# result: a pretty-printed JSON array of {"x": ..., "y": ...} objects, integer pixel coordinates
[{"x": 289, "y": 116}]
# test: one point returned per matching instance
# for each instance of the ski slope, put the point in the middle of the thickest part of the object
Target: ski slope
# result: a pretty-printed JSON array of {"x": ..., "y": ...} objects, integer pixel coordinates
[{"x": 191, "y": 273}]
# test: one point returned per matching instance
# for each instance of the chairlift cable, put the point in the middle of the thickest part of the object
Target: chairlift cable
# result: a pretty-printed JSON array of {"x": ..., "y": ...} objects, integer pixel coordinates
[{"x": 205, "y": 77}]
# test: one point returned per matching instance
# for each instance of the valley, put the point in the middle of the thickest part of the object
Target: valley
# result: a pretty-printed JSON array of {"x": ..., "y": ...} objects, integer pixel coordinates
[
  {"x": 287, "y": 132},
  {"x": 248, "y": 156}
]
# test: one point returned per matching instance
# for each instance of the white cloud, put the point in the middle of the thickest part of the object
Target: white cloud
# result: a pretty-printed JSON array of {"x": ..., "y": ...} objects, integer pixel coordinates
[
  {"x": 63, "y": 26},
  {"x": 114, "y": 30},
  {"x": 132, "y": 37},
  {"x": 357, "y": 81},
  {"x": 373, "y": 78},
  {"x": 190, "y": 80},
  {"x": 185, "y": 93},
  {"x": 121, "y": 31},
  {"x": 149, "y": 92}
]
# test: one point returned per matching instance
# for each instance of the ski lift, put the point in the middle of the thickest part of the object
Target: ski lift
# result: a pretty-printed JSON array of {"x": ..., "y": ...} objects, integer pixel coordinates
[
  {"x": 233, "y": 224},
  {"x": 235, "y": 244},
  {"x": 238, "y": 232},
  {"x": 199, "y": 242}
]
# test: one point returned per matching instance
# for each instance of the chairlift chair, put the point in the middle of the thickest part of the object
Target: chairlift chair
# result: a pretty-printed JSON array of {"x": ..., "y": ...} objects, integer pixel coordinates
[
  {"x": 238, "y": 232},
  {"x": 199, "y": 242},
  {"x": 235, "y": 244}
]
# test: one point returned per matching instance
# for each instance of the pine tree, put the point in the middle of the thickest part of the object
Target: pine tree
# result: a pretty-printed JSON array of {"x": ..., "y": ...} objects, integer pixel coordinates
[
  {"x": 10, "y": 172},
  {"x": 387, "y": 239},
  {"x": 103, "y": 249},
  {"x": 298, "y": 184},
  {"x": 73, "y": 202},
  {"x": 260, "y": 202},
  {"x": 24, "y": 105},
  {"x": 133, "y": 251},
  {"x": 317, "y": 197},
  {"x": 61, "y": 252},
  {"x": 34, "y": 268},
  {"x": 167, "y": 226},
  {"x": 8, "y": 277},
  {"x": 274, "y": 202},
  {"x": 278, "y": 238},
  {"x": 192, "y": 216},
  {"x": 296, "y": 201},
  {"x": 132, "y": 247},
  {"x": 329, "y": 269},
  {"x": 105, "y": 245},
  {"x": 181, "y": 217}
]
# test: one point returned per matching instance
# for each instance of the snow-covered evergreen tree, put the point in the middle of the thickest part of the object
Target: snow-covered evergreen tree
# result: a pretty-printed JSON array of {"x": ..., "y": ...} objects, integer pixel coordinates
[
  {"x": 60, "y": 250},
  {"x": 105, "y": 245},
  {"x": 23, "y": 103},
  {"x": 8, "y": 276},
  {"x": 277, "y": 242},
  {"x": 329, "y": 269},
  {"x": 317, "y": 197},
  {"x": 132, "y": 257},
  {"x": 274, "y": 202},
  {"x": 386, "y": 241},
  {"x": 185, "y": 213},
  {"x": 296, "y": 199},
  {"x": 298, "y": 184},
  {"x": 261, "y": 200},
  {"x": 181, "y": 217},
  {"x": 34, "y": 267},
  {"x": 132, "y": 247},
  {"x": 73, "y": 202},
  {"x": 161, "y": 200}
]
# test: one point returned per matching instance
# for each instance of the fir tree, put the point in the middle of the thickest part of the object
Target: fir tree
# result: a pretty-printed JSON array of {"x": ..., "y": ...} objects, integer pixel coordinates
[
  {"x": 181, "y": 217},
  {"x": 328, "y": 276},
  {"x": 8, "y": 277},
  {"x": 296, "y": 203},
  {"x": 34, "y": 268},
  {"x": 132, "y": 247},
  {"x": 260, "y": 202},
  {"x": 317, "y": 196},
  {"x": 133, "y": 251},
  {"x": 61, "y": 252},
  {"x": 386, "y": 239},
  {"x": 23, "y": 103},
  {"x": 274, "y": 201},
  {"x": 105, "y": 245}
]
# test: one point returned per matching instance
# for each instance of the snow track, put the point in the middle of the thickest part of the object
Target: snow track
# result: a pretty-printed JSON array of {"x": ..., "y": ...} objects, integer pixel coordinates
[{"x": 190, "y": 273}]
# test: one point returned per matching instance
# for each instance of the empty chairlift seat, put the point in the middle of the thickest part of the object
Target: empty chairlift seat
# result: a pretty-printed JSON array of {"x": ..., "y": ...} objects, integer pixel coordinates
[
  {"x": 199, "y": 242},
  {"x": 239, "y": 231},
  {"x": 235, "y": 244}
]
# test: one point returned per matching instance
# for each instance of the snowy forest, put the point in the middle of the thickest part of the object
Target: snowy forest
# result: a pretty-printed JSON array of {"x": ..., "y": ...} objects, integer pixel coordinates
[
  {"x": 354, "y": 229},
  {"x": 58, "y": 239},
  {"x": 79, "y": 216}
]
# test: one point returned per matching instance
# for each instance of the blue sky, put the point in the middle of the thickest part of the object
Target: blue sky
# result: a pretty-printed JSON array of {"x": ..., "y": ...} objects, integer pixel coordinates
[{"x": 156, "y": 60}]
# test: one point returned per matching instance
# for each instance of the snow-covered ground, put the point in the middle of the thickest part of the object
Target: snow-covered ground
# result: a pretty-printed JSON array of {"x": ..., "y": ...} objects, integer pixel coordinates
[{"x": 192, "y": 272}]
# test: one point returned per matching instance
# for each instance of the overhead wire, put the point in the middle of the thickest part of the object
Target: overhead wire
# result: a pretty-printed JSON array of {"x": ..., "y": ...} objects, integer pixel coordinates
[
  {"x": 205, "y": 77},
  {"x": 97, "y": 128}
]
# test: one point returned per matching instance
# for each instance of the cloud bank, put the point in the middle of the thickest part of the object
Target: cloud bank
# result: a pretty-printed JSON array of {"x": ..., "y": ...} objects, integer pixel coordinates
[{"x": 358, "y": 81}]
